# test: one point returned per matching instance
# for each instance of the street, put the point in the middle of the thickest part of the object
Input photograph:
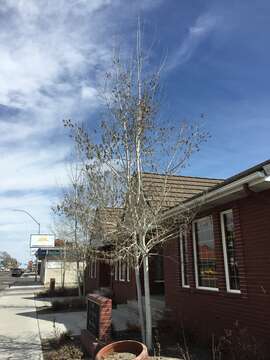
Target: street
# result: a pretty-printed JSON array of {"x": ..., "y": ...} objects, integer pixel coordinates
[{"x": 5, "y": 280}]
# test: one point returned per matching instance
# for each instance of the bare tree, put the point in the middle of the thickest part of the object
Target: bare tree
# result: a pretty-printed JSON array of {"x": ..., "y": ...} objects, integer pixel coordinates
[
  {"x": 7, "y": 261},
  {"x": 131, "y": 141},
  {"x": 74, "y": 217},
  {"x": 63, "y": 228}
]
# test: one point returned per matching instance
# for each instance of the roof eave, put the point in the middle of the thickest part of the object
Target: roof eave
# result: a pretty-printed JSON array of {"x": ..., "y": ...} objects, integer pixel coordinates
[{"x": 257, "y": 181}]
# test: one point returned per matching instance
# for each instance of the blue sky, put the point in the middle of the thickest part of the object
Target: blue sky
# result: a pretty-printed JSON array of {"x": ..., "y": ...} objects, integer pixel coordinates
[{"x": 53, "y": 57}]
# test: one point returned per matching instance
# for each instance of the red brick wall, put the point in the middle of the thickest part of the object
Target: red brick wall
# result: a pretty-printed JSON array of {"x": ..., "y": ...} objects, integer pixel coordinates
[
  {"x": 203, "y": 312},
  {"x": 105, "y": 315},
  {"x": 124, "y": 290},
  {"x": 91, "y": 284}
]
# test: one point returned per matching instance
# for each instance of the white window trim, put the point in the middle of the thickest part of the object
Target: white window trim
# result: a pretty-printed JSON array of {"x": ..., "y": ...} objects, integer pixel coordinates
[
  {"x": 182, "y": 261},
  {"x": 116, "y": 271},
  {"x": 120, "y": 272},
  {"x": 126, "y": 277},
  {"x": 225, "y": 254},
  {"x": 93, "y": 274},
  {"x": 128, "y": 272},
  {"x": 196, "y": 257}
]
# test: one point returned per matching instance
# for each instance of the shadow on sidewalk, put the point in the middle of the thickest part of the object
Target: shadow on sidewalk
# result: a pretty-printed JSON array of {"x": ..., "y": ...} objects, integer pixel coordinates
[
  {"x": 10, "y": 347},
  {"x": 72, "y": 321},
  {"x": 27, "y": 282}
]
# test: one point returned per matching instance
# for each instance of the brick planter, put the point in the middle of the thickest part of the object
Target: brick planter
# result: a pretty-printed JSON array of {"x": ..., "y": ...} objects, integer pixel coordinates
[
  {"x": 99, "y": 319},
  {"x": 103, "y": 307}
]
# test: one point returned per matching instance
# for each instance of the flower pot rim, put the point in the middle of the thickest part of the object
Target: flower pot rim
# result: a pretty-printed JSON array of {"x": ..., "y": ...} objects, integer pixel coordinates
[{"x": 106, "y": 350}]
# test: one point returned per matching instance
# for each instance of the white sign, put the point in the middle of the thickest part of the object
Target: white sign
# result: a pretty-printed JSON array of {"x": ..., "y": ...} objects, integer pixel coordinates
[{"x": 42, "y": 241}]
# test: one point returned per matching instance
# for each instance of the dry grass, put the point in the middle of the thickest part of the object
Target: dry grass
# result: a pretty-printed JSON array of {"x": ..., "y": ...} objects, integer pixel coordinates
[{"x": 63, "y": 346}]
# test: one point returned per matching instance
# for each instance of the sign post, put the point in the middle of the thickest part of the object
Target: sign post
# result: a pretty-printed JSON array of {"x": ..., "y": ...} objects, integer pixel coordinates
[{"x": 41, "y": 241}]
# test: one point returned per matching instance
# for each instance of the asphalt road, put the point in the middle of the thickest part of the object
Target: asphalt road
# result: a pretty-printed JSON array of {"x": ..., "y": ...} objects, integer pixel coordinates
[{"x": 5, "y": 280}]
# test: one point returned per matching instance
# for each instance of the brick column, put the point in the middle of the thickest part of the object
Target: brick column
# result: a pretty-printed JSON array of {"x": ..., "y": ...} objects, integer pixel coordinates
[
  {"x": 100, "y": 334},
  {"x": 105, "y": 315}
]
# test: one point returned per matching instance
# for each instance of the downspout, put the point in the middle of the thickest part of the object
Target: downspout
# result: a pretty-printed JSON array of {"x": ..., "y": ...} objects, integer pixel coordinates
[{"x": 249, "y": 192}]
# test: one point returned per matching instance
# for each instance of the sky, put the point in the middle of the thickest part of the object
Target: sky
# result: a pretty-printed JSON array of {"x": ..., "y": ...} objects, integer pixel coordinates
[{"x": 53, "y": 57}]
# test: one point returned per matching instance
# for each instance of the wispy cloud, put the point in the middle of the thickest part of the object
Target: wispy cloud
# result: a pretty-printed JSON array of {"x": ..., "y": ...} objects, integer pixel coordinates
[
  {"x": 52, "y": 56},
  {"x": 202, "y": 27},
  {"x": 31, "y": 171},
  {"x": 45, "y": 55}
]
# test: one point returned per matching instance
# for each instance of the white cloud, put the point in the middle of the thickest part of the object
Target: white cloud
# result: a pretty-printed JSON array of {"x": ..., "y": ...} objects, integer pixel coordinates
[
  {"x": 203, "y": 25},
  {"x": 36, "y": 61},
  {"x": 16, "y": 227},
  {"x": 52, "y": 55},
  {"x": 89, "y": 92},
  {"x": 41, "y": 169}
]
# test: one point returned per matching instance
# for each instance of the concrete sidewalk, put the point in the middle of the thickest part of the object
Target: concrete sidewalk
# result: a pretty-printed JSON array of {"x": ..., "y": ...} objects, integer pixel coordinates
[
  {"x": 55, "y": 323},
  {"x": 19, "y": 329}
]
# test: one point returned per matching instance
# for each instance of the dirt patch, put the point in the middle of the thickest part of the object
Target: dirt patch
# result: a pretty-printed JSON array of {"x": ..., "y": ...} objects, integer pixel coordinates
[
  {"x": 65, "y": 347},
  {"x": 120, "y": 356}
]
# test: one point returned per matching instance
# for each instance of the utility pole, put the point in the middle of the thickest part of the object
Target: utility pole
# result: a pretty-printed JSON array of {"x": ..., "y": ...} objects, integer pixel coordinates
[
  {"x": 31, "y": 216},
  {"x": 38, "y": 224}
]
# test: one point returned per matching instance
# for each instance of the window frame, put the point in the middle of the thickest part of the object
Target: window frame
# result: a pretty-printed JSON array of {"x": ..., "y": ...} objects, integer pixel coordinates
[
  {"x": 93, "y": 269},
  {"x": 225, "y": 253},
  {"x": 181, "y": 239},
  {"x": 196, "y": 256},
  {"x": 120, "y": 278},
  {"x": 118, "y": 274},
  {"x": 128, "y": 272},
  {"x": 116, "y": 268}
]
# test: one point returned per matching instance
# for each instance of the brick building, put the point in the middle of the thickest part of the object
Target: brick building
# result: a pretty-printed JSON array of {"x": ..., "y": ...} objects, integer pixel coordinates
[
  {"x": 218, "y": 272},
  {"x": 118, "y": 279}
]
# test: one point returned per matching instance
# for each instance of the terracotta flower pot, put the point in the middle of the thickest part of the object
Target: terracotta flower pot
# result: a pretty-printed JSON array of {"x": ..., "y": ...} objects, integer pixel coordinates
[{"x": 129, "y": 346}]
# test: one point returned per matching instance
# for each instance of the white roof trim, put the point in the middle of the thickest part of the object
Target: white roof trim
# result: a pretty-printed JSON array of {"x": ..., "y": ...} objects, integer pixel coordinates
[{"x": 225, "y": 190}]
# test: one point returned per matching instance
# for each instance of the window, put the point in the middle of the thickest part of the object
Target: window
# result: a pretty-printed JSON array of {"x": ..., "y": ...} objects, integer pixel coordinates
[
  {"x": 123, "y": 273},
  {"x": 116, "y": 271},
  {"x": 204, "y": 254},
  {"x": 93, "y": 269},
  {"x": 184, "y": 259},
  {"x": 158, "y": 268},
  {"x": 122, "y": 270},
  {"x": 128, "y": 272},
  {"x": 230, "y": 261}
]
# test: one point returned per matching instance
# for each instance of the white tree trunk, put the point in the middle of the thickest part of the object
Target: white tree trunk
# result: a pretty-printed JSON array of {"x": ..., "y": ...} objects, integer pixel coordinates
[
  {"x": 140, "y": 302},
  {"x": 79, "y": 278},
  {"x": 83, "y": 279},
  {"x": 147, "y": 299},
  {"x": 64, "y": 274},
  {"x": 64, "y": 269},
  {"x": 77, "y": 252}
]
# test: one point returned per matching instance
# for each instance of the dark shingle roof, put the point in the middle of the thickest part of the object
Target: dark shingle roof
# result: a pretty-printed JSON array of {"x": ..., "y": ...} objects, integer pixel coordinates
[
  {"x": 178, "y": 188},
  {"x": 108, "y": 218},
  {"x": 105, "y": 225}
]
